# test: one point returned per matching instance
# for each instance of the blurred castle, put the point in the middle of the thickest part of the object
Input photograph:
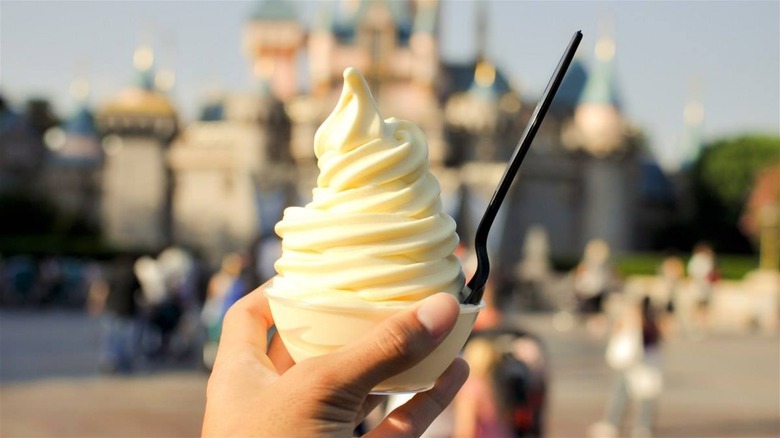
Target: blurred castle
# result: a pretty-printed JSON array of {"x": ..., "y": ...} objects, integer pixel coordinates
[{"x": 220, "y": 183}]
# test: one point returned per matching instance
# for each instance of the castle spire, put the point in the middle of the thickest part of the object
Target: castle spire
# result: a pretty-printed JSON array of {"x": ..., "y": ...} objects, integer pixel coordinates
[
  {"x": 272, "y": 39},
  {"x": 693, "y": 115},
  {"x": 82, "y": 122},
  {"x": 600, "y": 86},
  {"x": 481, "y": 30},
  {"x": 597, "y": 115},
  {"x": 143, "y": 60}
]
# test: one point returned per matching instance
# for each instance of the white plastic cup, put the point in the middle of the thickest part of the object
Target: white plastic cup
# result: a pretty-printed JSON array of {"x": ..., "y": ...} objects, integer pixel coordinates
[{"x": 309, "y": 330}]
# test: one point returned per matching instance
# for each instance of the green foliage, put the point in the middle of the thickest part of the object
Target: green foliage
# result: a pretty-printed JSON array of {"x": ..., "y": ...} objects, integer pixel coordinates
[
  {"x": 47, "y": 244},
  {"x": 731, "y": 266},
  {"x": 722, "y": 180},
  {"x": 21, "y": 213},
  {"x": 31, "y": 224},
  {"x": 728, "y": 167}
]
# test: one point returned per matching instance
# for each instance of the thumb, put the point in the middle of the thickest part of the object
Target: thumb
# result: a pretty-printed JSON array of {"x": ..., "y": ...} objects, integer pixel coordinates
[{"x": 398, "y": 343}]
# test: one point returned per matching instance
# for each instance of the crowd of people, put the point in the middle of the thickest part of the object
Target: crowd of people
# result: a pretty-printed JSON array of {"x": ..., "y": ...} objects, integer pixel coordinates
[
  {"x": 167, "y": 307},
  {"x": 632, "y": 318},
  {"x": 635, "y": 319},
  {"x": 148, "y": 308},
  {"x": 153, "y": 308},
  {"x": 46, "y": 281}
]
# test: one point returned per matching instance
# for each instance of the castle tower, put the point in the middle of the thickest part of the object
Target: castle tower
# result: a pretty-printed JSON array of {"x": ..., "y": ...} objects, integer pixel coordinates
[
  {"x": 609, "y": 168},
  {"x": 74, "y": 163},
  {"x": 233, "y": 168},
  {"x": 693, "y": 114},
  {"x": 321, "y": 44},
  {"x": 597, "y": 117},
  {"x": 137, "y": 127},
  {"x": 424, "y": 42},
  {"x": 272, "y": 40}
]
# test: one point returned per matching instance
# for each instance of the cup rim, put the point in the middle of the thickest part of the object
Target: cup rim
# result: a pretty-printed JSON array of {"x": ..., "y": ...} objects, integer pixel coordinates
[{"x": 359, "y": 307}]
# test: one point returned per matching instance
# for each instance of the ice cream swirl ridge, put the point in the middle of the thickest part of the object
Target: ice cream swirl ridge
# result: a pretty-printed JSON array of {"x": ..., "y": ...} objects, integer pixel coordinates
[{"x": 374, "y": 231}]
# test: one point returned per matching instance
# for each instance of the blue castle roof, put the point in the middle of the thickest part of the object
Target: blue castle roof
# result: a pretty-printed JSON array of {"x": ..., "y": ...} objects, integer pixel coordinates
[
  {"x": 344, "y": 24},
  {"x": 212, "y": 112},
  {"x": 461, "y": 78},
  {"x": 573, "y": 84},
  {"x": 654, "y": 185},
  {"x": 274, "y": 10},
  {"x": 600, "y": 85},
  {"x": 82, "y": 123},
  {"x": 425, "y": 20}
]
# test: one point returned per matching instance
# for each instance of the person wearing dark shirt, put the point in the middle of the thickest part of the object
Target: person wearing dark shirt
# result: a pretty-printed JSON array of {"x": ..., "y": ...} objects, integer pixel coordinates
[{"x": 120, "y": 314}]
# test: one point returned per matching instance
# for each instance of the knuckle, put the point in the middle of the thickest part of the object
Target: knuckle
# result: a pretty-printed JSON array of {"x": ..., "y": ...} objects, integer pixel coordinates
[
  {"x": 319, "y": 371},
  {"x": 404, "y": 424},
  {"x": 231, "y": 313},
  {"x": 398, "y": 340}
]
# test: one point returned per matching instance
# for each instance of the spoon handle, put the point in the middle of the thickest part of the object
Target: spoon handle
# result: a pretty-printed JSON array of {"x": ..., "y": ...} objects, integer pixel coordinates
[{"x": 480, "y": 240}]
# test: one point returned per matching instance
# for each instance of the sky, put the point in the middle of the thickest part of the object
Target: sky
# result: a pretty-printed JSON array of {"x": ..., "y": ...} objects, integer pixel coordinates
[{"x": 727, "y": 53}]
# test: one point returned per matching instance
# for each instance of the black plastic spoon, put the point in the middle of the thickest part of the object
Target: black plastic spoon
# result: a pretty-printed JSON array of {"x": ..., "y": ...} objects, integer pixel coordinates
[{"x": 476, "y": 285}]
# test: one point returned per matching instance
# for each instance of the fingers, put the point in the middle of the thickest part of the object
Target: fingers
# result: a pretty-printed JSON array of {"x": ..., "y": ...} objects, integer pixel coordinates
[
  {"x": 397, "y": 344},
  {"x": 245, "y": 327},
  {"x": 279, "y": 355},
  {"x": 413, "y": 418},
  {"x": 372, "y": 401}
]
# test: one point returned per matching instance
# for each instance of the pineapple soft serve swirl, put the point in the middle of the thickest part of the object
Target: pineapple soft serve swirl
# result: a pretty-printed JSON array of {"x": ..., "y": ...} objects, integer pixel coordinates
[{"x": 375, "y": 231}]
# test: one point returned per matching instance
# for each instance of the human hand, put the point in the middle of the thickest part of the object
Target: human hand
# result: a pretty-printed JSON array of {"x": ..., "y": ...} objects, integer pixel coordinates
[{"x": 258, "y": 391}]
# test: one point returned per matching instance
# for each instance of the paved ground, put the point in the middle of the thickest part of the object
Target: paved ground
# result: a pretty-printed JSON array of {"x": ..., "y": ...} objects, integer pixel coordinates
[{"x": 723, "y": 386}]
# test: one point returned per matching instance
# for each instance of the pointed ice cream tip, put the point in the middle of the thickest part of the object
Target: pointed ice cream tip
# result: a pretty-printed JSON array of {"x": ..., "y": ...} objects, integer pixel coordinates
[
  {"x": 355, "y": 80},
  {"x": 354, "y": 121}
]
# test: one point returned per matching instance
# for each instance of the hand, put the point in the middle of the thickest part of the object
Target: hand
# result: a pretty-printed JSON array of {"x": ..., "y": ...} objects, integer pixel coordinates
[{"x": 259, "y": 391}]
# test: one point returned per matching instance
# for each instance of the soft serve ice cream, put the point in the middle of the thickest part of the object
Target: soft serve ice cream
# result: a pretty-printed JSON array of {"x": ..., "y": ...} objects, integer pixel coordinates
[
  {"x": 374, "y": 232},
  {"x": 372, "y": 241}
]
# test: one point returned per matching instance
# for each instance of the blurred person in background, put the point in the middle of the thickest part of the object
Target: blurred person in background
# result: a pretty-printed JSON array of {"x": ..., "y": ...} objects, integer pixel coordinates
[
  {"x": 703, "y": 273},
  {"x": 672, "y": 274},
  {"x": 520, "y": 373},
  {"x": 162, "y": 307},
  {"x": 480, "y": 411},
  {"x": 593, "y": 279},
  {"x": 180, "y": 277},
  {"x": 634, "y": 352},
  {"x": 224, "y": 288},
  {"x": 50, "y": 285},
  {"x": 534, "y": 270},
  {"x": 118, "y": 304},
  {"x": 19, "y": 275},
  {"x": 97, "y": 288},
  {"x": 444, "y": 424}
]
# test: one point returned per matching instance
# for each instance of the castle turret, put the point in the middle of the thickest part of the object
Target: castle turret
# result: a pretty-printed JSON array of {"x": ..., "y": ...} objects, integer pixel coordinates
[
  {"x": 597, "y": 117},
  {"x": 609, "y": 167},
  {"x": 74, "y": 163},
  {"x": 424, "y": 42},
  {"x": 272, "y": 40},
  {"x": 320, "y": 45},
  {"x": 693, "y": 115},
  {"x": 137, "y": 127}
]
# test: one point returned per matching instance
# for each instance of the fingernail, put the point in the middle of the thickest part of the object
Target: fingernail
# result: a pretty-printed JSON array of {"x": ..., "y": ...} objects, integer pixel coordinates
[{"x": 437, "y": 314}]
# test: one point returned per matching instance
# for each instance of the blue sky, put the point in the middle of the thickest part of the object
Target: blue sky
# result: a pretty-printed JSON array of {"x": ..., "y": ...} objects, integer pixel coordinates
[{"x": 731, "y": 48}]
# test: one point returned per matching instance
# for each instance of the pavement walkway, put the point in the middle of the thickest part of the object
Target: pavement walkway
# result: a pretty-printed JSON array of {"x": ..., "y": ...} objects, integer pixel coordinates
[{"x": 723, "y": 386}]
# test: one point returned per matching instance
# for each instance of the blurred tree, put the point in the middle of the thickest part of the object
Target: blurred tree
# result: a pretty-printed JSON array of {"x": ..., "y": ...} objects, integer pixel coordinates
[
  {"x": 722, "y": 180},
  {"x": 764, "y": 193},
  {"x": 41, "y": 115},
  {"x": 761, "y": 215},
  {"x": 22, "y": 213}
]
